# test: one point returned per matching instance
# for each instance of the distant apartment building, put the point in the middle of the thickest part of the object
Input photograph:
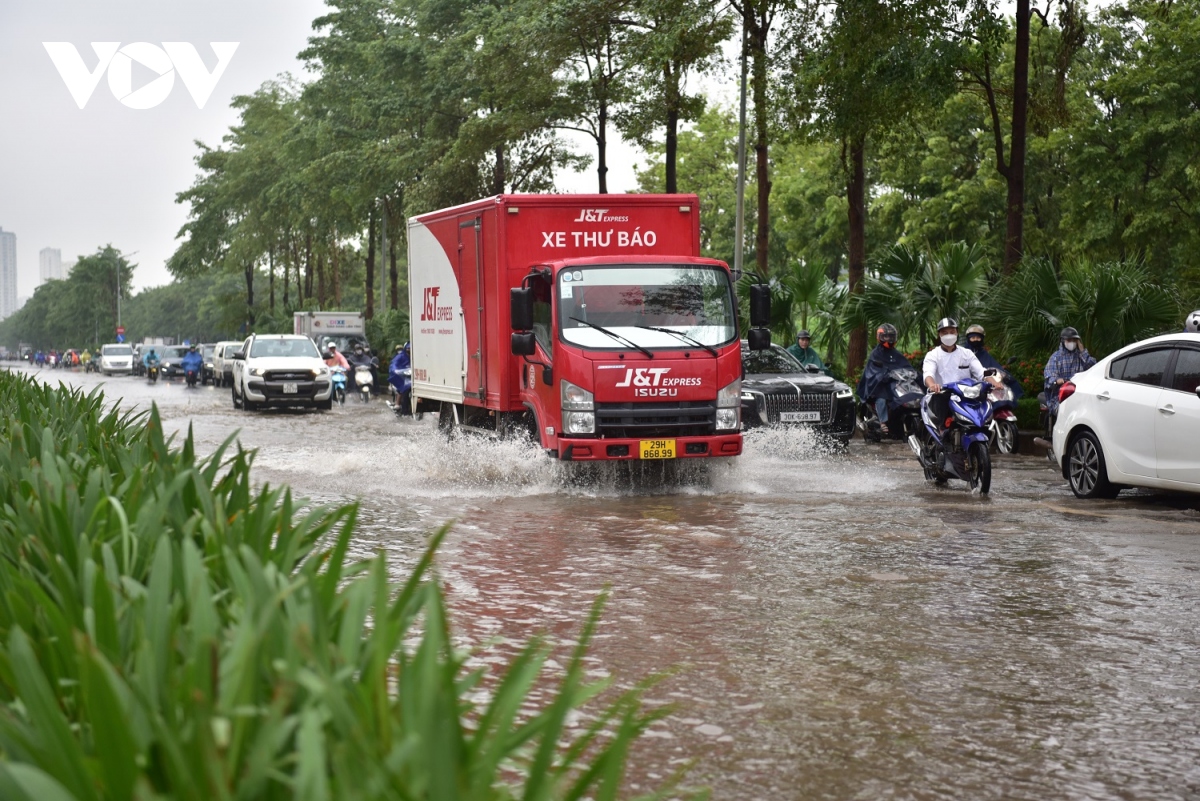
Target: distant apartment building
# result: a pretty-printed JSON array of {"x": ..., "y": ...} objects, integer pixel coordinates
[
  {"x": 8, "y": 273},
  {"x": 50, "y": 265}
]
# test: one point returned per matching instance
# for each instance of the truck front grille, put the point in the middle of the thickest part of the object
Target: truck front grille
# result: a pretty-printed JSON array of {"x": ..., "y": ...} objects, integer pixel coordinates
[
  {"x": 642, "y": 420},
  {"x": 804, "y": 402},
  {"x": 289, "y": 375}
]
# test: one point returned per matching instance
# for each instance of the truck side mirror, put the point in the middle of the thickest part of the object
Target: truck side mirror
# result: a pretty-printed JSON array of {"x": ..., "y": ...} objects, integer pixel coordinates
[
  {"x": 760, "y": 306},
  {"x": 759, "y": 338},
  {"x": 239, "y": 356},
  {"x": 522, "y": 343},
  {"x": 521, "y": 308}
]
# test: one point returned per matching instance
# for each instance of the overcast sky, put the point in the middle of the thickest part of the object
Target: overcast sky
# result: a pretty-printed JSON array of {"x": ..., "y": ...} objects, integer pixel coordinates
[{"x": 79, "y": 179}]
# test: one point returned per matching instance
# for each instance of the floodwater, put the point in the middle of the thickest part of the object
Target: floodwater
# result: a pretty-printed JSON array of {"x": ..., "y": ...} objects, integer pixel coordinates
[{"x": 840, "y": 629}]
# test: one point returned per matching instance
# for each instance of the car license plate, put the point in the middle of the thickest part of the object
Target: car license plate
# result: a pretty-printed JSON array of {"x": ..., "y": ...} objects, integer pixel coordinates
[
  {"x": 657, "y": 448},
  {"x": 799, "y": 417},
  {"x": 290, "y": 389}
]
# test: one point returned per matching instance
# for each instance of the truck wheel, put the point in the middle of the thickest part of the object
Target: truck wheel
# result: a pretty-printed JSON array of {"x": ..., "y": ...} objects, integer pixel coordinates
[
  {"x": 237, "y": 402},
  {"x": 327, "y": 404}
]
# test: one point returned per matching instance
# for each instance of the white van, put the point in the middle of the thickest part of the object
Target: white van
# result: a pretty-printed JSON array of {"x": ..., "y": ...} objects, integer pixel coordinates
[
  {"x": 223, "y": 362},
  {"x": 116, "y": 359}
]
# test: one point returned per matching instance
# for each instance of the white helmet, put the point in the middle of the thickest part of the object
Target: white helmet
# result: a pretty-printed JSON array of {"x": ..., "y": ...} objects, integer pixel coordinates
[{"x": 1192, "y": 324}]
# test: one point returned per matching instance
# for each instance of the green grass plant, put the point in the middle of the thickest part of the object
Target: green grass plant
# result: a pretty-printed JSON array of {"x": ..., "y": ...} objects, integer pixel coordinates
[{"x": 170, "y": 631}]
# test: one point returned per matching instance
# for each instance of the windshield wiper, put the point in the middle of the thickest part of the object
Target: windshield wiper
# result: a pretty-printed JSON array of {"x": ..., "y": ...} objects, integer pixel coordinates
[
  {"x": 615, "y": 336},
  {"x": 682, "y": 336}
]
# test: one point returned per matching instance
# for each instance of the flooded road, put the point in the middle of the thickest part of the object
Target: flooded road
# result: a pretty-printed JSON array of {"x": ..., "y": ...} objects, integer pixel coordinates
[{"x": 841, "y": 629}]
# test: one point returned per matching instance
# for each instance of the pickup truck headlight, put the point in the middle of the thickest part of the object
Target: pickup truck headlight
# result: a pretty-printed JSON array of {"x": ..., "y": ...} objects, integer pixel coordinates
[
  {"x": 322, "y": 371},
  {"x": 576, "y": 398},
  {"x": 254, "y": 371}
]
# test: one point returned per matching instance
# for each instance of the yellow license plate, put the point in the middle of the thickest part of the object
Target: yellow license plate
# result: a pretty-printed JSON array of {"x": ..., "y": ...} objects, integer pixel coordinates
[{"x": 657, "y": 448}]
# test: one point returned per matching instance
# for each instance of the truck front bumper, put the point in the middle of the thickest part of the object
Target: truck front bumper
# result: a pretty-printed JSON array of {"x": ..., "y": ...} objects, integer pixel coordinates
[{"x": 578, "y": 449}]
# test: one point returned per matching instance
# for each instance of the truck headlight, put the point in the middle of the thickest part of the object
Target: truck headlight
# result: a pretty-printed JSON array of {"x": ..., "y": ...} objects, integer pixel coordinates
[
  {"x": 730, "y": 395},
  {"x": 727, "y": 419},
  {"x": 577, "y": 399},
  {"x": 845, "y": 393},
  {"x": 253, "y": 371},
  {"x": 323, "y": 371},
  {"x": 580, "y": 422}
]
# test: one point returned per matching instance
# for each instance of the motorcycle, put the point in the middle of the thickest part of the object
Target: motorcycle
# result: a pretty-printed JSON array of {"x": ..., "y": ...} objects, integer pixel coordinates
[
  {"x": 1002, "y": 433},
  {"x": 401, "y": 382},
  {"x": 191, "y": 377},
  {"x": 960, "y": 449},
  {"x": 903, "y": 408},
  {"x": 364, "y": 381},
  {"x": 337, "y": 376},
  {"x": 152, "y": 373}
]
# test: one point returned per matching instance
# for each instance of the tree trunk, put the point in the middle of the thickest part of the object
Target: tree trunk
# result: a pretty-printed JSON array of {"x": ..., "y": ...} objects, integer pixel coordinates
[
  {"x": 308, "y": 265},
  {"x": 856, "y": 194},
  {"x": 271, "y": 274},
  {"x": 369, "y": 311},
  {"x": 1015, "y": 205},
  {"x": 393, "y": 276},
  {"x": 671, "y": 77},
  {"x": 758, "y": 79},
  {"x": 602, "y": 147},
  {"x": 499, "y": 174},
  {"x": 320, "y": 279},
  {"x": 336, "y": 270},
  {"x": 287, "y": 270},
  {"x": 248, "y": 270}
]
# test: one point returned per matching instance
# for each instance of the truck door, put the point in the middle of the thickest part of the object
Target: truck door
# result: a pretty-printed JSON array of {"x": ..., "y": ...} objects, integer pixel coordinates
[{"x": 470, "y": 272}]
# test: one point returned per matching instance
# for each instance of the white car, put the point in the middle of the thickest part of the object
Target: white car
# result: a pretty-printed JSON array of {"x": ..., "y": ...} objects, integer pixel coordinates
[
  {"x": 1133, "y": 420},
  {"x": 116, "y": 359},
  {"x": 280, "y": 370},
  {"x": 223, "y": 362}
]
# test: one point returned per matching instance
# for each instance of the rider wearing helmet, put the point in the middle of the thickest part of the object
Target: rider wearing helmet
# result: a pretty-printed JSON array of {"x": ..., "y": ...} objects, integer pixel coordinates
[
  {"x": 975, "y": 342},
  {"x": 875, "y": 386},
  {"x": 947, "y": 364},
  {"x": 805, "y": 354},
  {"x": 1192, "y": 324},
  {"x": 1070, "y": 358},
  {"x": 193, "y": 362}
]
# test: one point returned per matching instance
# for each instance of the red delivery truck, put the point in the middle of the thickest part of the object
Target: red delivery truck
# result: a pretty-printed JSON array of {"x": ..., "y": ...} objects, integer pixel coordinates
[{"x": 588, "y": 322}]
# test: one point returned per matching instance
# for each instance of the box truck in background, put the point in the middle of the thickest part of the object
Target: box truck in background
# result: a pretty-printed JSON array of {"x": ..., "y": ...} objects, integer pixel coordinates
[{"x": 589, "y": 322}]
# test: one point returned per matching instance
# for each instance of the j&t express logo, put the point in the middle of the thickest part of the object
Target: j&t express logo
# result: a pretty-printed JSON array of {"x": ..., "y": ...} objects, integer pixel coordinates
[
  {"x": 118, "y": 61},
  {"x": 654, "y": 382},
  {"x": 430, "y": 310}
]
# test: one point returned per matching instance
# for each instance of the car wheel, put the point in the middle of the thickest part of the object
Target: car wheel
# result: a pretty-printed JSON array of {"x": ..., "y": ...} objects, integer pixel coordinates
[
  {"x": 981, "y": 467},
  {"x": 1087, "y": 472},
  {"x": 325, "y": 405},
  {"x": 237, "y": 402}
]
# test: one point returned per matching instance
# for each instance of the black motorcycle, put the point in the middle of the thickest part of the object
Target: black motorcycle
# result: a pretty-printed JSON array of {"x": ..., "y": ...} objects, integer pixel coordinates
[
  {"x": 152, "y": 373},
  {"x": 904, "y": 408},
  {"x": 192, "y": 377}
]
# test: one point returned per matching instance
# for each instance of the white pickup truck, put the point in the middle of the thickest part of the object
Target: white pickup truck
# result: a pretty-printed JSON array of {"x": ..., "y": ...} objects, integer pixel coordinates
[{"x": 280, "y": 370}]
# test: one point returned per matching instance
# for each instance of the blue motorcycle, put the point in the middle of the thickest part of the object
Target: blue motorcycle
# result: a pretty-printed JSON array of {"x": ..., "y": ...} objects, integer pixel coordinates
[
  {"x": 338, "y": 376},
  {"x": 957, "y": 447}
]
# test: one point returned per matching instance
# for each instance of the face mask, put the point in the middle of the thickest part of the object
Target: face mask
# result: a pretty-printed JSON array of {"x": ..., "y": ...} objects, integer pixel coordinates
[
  {"x": 1069, "y": 345},
  {"x": 949, "y": 339}
]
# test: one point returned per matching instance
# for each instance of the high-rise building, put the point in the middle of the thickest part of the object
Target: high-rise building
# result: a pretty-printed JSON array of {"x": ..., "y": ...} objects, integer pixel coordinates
[
  {"x": 8, "y": 273},
  {"x": 50, "y": 265}
]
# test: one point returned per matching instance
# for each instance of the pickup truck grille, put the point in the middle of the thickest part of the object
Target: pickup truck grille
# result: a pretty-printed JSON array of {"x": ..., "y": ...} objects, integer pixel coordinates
[
  {"x": 289, "y": 375},
  {"x": 641, "y": 420},
  {"x": 808, "y": 401}
]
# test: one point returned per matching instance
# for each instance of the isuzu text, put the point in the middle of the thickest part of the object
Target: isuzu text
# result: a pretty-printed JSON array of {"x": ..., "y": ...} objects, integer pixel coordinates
[{"x": 588, "y": 322}]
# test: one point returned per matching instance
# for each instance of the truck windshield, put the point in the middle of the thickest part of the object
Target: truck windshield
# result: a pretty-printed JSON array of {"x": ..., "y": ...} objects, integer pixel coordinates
[{"x": 632, "y": 301}]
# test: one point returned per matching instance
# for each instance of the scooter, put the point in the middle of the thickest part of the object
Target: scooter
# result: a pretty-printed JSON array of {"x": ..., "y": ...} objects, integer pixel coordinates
[
  {"x": 959, "y": 449},
  {"x": 191, "y": 377},
  {"x": 401, "y": 382},
  {"x": 337, "y": 376},
  {"x": 1002, "y": 433},
  {"x": 152, "y": 373},
  {"x": 364, "y": 380},
  {"x": 903, "y": 408}
]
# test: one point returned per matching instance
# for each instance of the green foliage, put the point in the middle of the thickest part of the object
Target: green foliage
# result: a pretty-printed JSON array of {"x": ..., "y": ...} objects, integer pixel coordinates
[
  {"x": 168, "y": 630},
  {"x": 1111, "y": 304},
  {"x": 386, "y": 331}
]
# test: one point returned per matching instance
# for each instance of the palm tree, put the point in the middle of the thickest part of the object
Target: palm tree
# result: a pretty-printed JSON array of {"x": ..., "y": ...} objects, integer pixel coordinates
[{"x": 1111, "y": 304}]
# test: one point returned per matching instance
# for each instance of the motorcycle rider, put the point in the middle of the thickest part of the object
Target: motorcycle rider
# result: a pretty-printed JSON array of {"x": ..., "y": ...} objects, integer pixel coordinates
[
  {"x": 947, "y": 364},
  {"x": 805, "y": 354},
  {"x": 151, "y": 358},
  {"x": 975, "y": 337},
  {"x": 357, "y": 358},
  {"x": 402, "y": 360},
  {"x": 335, "y": 359},
  {"x": 875, "y": 386},
  {"x": 192, "y": 362},
  {"x": 1070, "y": 358}
]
